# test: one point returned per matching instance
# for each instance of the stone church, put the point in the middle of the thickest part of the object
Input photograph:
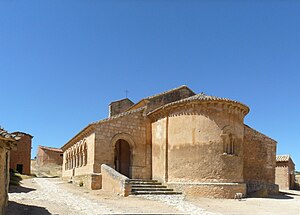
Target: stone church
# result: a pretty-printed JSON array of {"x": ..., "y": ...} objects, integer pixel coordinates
[{"x": 195, "y": 143}]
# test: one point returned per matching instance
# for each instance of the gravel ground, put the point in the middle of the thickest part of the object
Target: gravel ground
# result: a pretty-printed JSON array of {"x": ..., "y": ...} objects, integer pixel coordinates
[
  {"x": 54, "y": 196},
  {"x": 44, "y": 196},
  {"x": 58, "y": 201},
  {"x": 179, "y": 202}
]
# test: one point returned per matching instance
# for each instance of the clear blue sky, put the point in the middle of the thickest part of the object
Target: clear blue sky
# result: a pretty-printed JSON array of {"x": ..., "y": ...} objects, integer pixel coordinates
[{"x": 63, "y": 62}]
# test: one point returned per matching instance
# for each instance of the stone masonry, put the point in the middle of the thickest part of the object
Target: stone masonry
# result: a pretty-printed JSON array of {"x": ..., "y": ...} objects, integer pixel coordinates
[
  {"x": 49, "y": 155},
  {"x": 195, "y": 143},
  {"x": 285, "y": 172},
  {"x": 20, "y": 158},
  {"x": 7, "y": 143}
]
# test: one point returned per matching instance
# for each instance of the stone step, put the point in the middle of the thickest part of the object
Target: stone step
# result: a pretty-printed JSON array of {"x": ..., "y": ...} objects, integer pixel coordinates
[
  {"x": 145, "y": 182},
  {"x": 155, "y": 193},
  {"x": 147, "y": 186},
  {"x": 151, "y": 189}
]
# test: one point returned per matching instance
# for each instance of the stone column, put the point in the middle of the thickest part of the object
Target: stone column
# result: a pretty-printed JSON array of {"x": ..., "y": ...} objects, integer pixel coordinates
[
  {"x": 80, "y": 159},
  {"x": 84, "y": 158}
]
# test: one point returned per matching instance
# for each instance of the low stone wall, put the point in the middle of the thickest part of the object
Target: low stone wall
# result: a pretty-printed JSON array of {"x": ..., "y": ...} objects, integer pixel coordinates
[
  {"x": 91, "y": 181},
  {"x": 210, "y": 190},
  {"x": 257, "y": 186},
  {"x": 114, "y": 181}
]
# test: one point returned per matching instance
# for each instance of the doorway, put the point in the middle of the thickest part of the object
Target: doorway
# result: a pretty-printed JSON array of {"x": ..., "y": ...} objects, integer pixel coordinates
[
  {"x": 123, "y": 157},
  {"x": 20, "y": 168}
]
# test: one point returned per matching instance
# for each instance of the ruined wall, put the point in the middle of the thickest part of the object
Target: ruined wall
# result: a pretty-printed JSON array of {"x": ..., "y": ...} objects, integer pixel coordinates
[
  {"x": 46, "y": 156},
  {"x": 133, "y": 128},
  {"x": 259, "y": 161},
  {"x": 22, "y": 155},
  {"x": 285, "y": 175},
  {"x": 282, "y": 177}
]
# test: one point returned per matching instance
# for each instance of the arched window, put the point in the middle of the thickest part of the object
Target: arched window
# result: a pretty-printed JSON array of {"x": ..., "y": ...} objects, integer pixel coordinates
[{"x": 229, "y": 145}]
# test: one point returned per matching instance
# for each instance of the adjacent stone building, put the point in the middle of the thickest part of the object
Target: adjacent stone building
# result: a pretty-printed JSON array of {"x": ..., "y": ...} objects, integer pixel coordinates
[
  {"x": 195, "y": 143},
  {"x": 49, "y": 155},
  {"x": 20, "y": 159},
  {"x": 7, "y": 142},
  {"x": 285, "y": 172}
]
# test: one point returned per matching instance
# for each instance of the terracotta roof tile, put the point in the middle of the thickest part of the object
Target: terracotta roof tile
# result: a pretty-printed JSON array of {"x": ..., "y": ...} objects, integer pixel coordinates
[
  {"x": 5, "y": 135},
  {"x": 198, "y": 97},
  {"x": 52, "y": 149},
  {"x": 283, "y": 158},
  {"x": 119, "y": 115},
  {"x": 168, "y": 91}
]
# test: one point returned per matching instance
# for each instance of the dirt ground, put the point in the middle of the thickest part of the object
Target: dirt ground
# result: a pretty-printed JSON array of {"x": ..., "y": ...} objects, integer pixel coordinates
[
  {"x": 39, "y": 196},
  {"x": 286, "y": 203}
]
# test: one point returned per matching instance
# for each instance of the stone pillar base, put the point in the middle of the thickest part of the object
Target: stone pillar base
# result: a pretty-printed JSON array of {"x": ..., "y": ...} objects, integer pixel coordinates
[
  {"x": 91, "y": 181},
  {"x": 209, "y": 190},
  {"x": 261, "y": 189}
]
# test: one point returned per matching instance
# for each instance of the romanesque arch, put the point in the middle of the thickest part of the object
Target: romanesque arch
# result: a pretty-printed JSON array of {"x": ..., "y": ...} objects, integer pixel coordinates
[
  {"x": 229, "y": 140},
  {"x": 76, "y": 156},
  {"x": 123, "y": 147}
]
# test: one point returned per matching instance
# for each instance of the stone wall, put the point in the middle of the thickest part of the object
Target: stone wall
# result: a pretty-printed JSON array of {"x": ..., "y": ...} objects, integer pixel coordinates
[
  {"x": 82, "y": 170},
  {"x": 168, "y": 97},
  {"x": 114, "y": 182},
  {"x": 212, "y": 190},
  {"x": 22, "y": 155},
  {"x": 48, "y": 156},
  {"x": 259, "y": 161},
  {"x": 4, "y": 176},
  {"x": 133, "y": 128},
  {"x": 188, "y": 147},
  {"x": 193, "y": 138},
  {"x": 120, "y": 106},
  {"x": 159, "y": 156},
  {"x": 285, "y": 175},
  {"x": 91, "y": 181}
]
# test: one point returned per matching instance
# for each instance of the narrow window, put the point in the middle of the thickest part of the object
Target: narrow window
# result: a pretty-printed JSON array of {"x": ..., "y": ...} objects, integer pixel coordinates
[{"x": 228, "y": 144}]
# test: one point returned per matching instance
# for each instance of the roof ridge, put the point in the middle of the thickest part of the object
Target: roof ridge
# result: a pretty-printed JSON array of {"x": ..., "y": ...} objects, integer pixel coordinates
[
  {"x": 168, "y": 91},
  {"x": 118, "y": 115},
  {"x": 7, "y": 135},
  {"x": 121, "y": 100},
  {"x": 283, "y": 158},
  {"x": 201, "y": 96},
  {"x": 50, "y": 148}
]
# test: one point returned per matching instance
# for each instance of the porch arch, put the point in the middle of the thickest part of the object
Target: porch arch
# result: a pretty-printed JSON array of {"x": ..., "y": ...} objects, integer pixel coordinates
[{"x": 123, "y": 147}]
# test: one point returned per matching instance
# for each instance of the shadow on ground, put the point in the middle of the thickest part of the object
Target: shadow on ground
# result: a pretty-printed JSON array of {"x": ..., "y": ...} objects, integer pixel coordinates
[
  {"x": 19, "y": 189},
  {"x": 290, "y": 192},
  {"x": 15, "y": 208},
  {"x": 280, "y": 195},
  {"x": 46, "y": 176}
]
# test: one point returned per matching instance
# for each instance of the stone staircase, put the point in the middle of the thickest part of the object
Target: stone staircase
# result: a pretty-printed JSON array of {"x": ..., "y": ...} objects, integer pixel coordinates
[{"x": 150, "y": 187}]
